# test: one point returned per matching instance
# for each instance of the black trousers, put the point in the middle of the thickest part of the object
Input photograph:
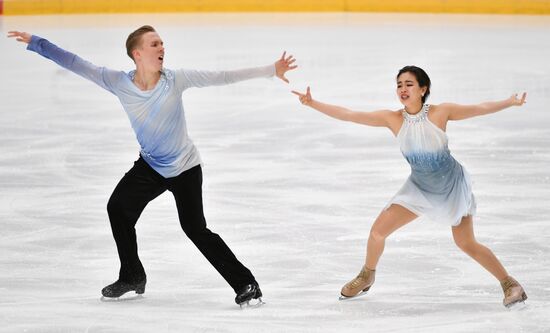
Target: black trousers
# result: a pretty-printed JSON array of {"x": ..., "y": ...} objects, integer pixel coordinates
[{"x": 136, "y": 189}]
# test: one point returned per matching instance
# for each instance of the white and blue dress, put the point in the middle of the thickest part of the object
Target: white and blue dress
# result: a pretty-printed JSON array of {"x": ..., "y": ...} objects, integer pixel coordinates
[{"x": 438, "y": 187}]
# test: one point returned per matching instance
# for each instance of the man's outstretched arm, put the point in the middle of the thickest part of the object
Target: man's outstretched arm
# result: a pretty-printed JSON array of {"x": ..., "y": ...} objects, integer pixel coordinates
[
  {"x": 198, "y": 78},
  {"x": 102, "y": 76}
]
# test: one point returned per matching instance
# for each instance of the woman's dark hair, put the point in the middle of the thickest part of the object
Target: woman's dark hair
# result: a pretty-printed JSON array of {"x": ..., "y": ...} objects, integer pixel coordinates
[{"x": 421, "y": 77}]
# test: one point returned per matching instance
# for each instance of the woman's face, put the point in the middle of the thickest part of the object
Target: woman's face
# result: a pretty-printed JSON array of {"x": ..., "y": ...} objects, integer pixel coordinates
[{"x": 408, "y": 90}]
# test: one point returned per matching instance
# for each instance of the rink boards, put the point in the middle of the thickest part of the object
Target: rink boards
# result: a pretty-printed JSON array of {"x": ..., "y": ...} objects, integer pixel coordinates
[{"x": 39, "y": 7}]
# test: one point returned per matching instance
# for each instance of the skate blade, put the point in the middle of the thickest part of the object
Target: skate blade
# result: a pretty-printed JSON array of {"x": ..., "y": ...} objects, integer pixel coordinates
[
  {"x": 346, "y": 298},
  {"x": 517, "y": 306},
  {"x": 123, "y": 298},
  {"x": 251, "y": 304}
]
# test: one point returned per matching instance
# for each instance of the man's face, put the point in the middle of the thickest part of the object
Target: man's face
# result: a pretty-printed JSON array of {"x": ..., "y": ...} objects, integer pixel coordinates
[{"x": 151, "y": 51}]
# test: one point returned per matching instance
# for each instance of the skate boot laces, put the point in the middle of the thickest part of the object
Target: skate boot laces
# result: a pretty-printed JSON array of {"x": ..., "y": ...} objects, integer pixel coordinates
[{"x": 362, "y": 282}]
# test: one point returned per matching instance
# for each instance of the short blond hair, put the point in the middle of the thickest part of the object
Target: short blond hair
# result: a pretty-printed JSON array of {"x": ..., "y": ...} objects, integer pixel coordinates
[{"x": 134, "y": 39}]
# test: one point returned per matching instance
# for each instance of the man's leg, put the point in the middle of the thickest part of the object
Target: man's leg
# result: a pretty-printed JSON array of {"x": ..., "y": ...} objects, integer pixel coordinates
[
  {"x": 135, "y": 190},
  {"x": 187, "y": 190}
]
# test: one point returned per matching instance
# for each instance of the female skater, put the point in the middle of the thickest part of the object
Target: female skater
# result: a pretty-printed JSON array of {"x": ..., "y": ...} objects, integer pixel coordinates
[
  {"x": 438, "y": 187},
  {"x": 151, "y": 96}
]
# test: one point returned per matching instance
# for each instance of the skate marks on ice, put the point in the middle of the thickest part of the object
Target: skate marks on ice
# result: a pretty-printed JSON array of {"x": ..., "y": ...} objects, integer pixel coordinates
[
  {"x": 428, "y": 314},
  {"x": 518, "y": 306},
  {"x": 301, "y": 186}
]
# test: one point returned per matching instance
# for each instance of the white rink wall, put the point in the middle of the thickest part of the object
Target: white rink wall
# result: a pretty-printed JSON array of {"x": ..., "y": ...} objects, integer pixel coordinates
[{"x": 292, "y": 192}]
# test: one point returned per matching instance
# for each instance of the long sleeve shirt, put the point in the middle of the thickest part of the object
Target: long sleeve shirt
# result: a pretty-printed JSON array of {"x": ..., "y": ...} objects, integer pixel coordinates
[{"x": 157, "y": 116}]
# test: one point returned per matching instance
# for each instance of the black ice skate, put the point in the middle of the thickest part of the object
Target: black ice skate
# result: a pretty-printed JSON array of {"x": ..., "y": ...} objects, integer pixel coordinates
[
  {"x": 248, "y": 293},
  {"x": 119, "y": 288}
]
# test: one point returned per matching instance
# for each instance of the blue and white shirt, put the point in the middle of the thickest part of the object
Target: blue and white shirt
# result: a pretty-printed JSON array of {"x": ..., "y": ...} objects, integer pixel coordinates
[{"x": 157, "y": 116}]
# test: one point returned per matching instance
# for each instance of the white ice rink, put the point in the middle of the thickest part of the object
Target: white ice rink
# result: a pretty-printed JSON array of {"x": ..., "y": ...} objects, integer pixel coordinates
[{"x": 293, "y": 192}]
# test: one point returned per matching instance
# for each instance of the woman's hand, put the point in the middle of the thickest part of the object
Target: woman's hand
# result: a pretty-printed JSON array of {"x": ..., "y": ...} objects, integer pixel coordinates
[
  {"x": 304, "y": 98},
  {"x": 284, "y": 65},
  {"x": 23, "y": 37},
  {"x": 516, "y": 101}
]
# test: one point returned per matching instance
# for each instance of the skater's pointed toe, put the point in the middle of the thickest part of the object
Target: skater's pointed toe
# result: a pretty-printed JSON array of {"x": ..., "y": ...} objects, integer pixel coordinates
[
  {"x": 120, "y": 288},
  {"x": 513, "y": 292}
]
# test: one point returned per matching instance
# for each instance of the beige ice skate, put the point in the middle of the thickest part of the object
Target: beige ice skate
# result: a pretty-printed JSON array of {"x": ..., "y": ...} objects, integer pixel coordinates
[
  {"x": 513, "y": 292},
  {"x": 361, "y": 284}
]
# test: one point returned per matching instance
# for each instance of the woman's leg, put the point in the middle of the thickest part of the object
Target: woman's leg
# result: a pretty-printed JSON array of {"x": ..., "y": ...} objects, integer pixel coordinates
[
  {"x": 386, "y": 223},
  {"x": 464, "y": 237}
]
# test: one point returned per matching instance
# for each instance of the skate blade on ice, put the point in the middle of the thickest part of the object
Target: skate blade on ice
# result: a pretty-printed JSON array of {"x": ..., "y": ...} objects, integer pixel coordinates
[
  {"x": 345, "y": 298},
  {"x": 124, "y": 298},
  {"x": 517, "y": 306},
  {"x": 251, "y": 304}
]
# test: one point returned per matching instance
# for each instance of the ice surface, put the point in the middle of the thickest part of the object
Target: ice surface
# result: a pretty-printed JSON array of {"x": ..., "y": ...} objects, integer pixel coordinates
[{"x": 293, "y": 192}]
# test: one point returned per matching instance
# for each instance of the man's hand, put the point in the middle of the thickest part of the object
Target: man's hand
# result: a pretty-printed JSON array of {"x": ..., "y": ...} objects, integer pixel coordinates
[
  {"x": 284, "y": 65},
  {"x": 20, "y": 36}
]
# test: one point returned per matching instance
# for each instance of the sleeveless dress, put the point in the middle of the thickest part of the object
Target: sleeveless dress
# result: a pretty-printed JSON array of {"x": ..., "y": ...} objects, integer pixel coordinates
[{"x": 438, "y": 187}]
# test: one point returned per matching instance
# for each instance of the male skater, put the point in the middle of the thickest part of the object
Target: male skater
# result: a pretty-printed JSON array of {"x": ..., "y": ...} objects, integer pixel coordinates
[{"x": 151, "y": 96}]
